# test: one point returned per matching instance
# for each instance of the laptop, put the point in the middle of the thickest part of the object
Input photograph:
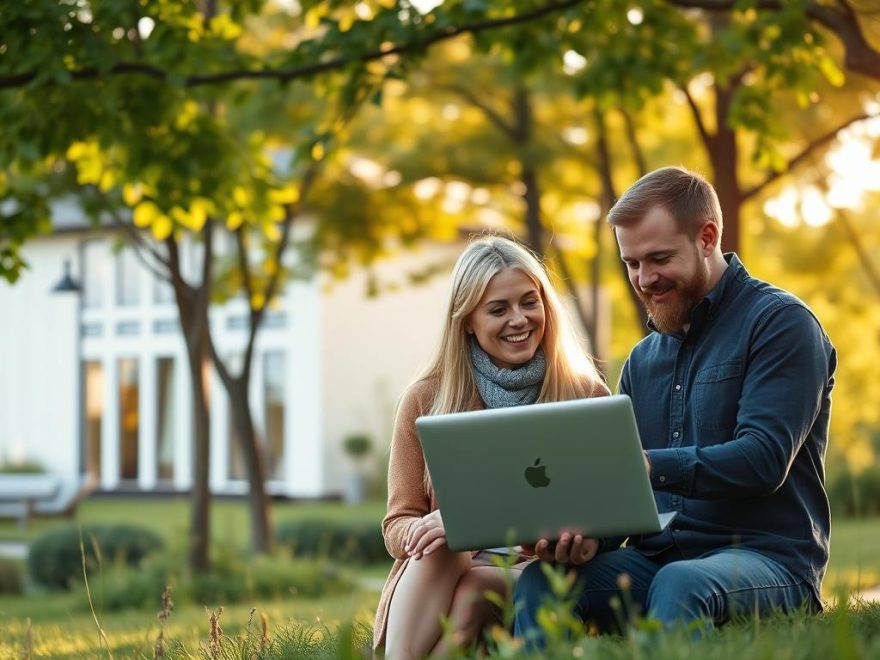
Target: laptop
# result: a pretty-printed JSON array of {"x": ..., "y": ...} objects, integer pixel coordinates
[{"x": 509, "y": 476}]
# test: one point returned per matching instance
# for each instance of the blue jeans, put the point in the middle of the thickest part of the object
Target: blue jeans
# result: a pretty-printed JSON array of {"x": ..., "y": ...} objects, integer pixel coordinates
[{"x": 712, "y": 588}]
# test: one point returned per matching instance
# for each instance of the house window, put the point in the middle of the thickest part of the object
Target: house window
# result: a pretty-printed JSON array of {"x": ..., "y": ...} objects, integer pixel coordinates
[
  {"x": 129, "y": 395},
  {"x": 94, "y": 414},
  {"x": 94, "y": 273},
  {"x": 274, "y": 369},
  {"x": 128, "y": 292},
  {"x": 165, "y": 418}
]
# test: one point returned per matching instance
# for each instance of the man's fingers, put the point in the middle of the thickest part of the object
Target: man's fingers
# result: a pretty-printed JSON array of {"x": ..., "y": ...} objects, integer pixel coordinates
[{"x": 563, "y": 549}]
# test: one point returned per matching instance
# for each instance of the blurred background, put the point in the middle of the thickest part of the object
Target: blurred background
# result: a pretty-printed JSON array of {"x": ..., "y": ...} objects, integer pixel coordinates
[{"x": 226, "y": 228}]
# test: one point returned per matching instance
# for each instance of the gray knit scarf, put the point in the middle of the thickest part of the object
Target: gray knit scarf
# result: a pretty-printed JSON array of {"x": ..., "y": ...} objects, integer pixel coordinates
[{"x": 502, "y": 388}]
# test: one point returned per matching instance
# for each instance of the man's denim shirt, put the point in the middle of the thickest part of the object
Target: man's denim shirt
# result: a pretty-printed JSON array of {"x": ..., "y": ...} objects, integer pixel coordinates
[{"x": 734, "y": 417}]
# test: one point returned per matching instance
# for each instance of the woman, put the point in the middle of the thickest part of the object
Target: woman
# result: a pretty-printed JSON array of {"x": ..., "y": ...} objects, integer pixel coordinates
[{"x": 507, "y": 342}]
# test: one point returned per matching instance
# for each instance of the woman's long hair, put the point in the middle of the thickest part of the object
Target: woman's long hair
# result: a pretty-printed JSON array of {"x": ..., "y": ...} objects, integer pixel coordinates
[{"x": 570, "y": 373}]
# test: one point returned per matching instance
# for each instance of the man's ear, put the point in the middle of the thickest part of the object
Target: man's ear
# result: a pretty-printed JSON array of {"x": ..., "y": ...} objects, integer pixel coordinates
[{"x": 708, "y": 238}]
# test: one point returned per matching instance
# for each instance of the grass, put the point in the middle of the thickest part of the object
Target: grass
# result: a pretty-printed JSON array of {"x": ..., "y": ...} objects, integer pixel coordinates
[
  {"x": 62, "y": 627},
  {"x": 169, "y": 517}
]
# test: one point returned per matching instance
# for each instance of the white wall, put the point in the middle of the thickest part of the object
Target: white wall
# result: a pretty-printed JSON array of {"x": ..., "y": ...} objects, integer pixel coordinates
[
  {"x": 372, "y": 348},
  {"x": 38, "y": 362}
]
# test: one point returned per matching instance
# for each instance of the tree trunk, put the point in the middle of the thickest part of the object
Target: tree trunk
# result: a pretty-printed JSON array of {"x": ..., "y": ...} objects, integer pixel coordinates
[
  {"x": 254, "y": 462},
  {"x": 200, "y": 520},
  {"x": 607, "y": 198},
  {"x": 724, "y": 157}
]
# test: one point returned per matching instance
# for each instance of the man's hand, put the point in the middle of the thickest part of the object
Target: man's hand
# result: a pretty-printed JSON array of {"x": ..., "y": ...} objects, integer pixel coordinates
[
  {"x": 425, "y": 536},
  {"x": 573, "y": 549},
  {"x": 647, "y": 463}
]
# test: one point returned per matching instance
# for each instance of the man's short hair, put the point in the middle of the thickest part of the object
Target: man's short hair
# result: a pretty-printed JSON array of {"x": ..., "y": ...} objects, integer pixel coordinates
[{"x": 688, "y": 197}]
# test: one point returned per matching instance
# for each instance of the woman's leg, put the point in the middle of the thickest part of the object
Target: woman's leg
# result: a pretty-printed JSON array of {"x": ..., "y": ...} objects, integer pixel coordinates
[
  {"x": 470, "y": 612},
  {"x": 424, "y": 594}
]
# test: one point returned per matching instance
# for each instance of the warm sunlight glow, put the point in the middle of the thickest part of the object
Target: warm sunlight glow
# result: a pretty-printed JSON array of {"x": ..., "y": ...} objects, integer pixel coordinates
[
  {"x": 635, "y": 16},
  {"x": 480, "y": 196},
  {"x": 145, "y": 26},
  {"x": 853, "y": 171},
  {"x": 814, "y": 209},
  {"x": 576, "y": 135},
  {"x": 572, "y": 62},
  {"x": 426, "y": 189},
  {"x": 783, "y": 207},
  {"x": 425, "y": 6},
  {"x": 451, "y": 112}
]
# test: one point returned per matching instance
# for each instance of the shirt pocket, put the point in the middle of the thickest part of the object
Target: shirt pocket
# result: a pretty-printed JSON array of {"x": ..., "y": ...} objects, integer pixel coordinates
[{"x": 717, "y": 389}]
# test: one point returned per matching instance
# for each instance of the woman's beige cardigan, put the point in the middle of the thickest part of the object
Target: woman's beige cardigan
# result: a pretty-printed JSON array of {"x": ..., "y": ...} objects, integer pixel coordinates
[{"x": 408, "y": 500}]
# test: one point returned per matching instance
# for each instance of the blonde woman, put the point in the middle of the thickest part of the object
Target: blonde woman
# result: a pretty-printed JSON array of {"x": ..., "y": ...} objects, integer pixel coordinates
[{"x": 507, "y": 341}]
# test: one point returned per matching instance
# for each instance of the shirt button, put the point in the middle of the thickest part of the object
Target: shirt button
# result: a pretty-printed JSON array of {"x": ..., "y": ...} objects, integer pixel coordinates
[
  {"x": 676, "y": 531},
  {"x": 677, "y": 387},
  {"x": 675, "y": 434},
  {"x": 662, "y": 478}
]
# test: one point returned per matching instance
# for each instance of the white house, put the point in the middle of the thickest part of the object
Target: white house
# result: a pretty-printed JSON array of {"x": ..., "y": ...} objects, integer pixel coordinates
[{"x": 95, "y": 383}]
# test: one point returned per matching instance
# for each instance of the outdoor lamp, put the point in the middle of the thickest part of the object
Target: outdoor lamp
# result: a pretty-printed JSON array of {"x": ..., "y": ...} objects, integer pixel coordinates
[{"x": 67, "y": 284}]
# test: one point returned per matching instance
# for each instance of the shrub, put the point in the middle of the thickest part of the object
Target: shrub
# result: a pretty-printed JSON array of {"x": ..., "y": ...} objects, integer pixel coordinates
[
  {"x": 24, "y": 467},
  {"x": 55, "y": 559},
  {"x": 855, "y": 494},
  {"x": 349, "y": 541},
  {"x": 11, "y": 578},
  {"x": 232, "y": 579}
]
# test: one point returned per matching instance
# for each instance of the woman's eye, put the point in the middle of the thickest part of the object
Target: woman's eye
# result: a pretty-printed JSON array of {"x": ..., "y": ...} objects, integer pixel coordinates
[{"x": 498, "y": 311}]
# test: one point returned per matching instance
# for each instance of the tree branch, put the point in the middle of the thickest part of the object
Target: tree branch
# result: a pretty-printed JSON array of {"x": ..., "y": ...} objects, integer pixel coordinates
[
  {"x": 705, "y": 136},
  {"x": 491, "y": 114},
  {"x": 864, "y": 257},
  {"x": 841, "y": 19},
  {"x": 807, "y": 151},
  {"x": 286, "y": 75}
]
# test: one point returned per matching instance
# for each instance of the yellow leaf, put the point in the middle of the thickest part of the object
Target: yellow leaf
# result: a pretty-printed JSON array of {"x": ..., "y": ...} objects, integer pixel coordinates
[
  {"x": 162, "y": 227},
  {"x": 224, "y": 27},
  {"x": 346, "y": 22},
  {"x": 89, "y": 171},
  {"x": 198, "y": 213},
  {"x": 831, "y": 71},
  {"x": 145, "y": 214},
  {"x": 234, "y": 220},
  {"x": 318, "y": 151},
  {"x": 241, "y": 196},
  {"x": 258, "y": 299},
  {"x": 276, "y": 213},
  {"x": 286, "y": 195},
  {"x": 77, "y": 150},
  {"x": 132, "y": 193},
  {"x": 387, "y": 4},
  {"x": 313, "y": 17},
  {"x": 270, "y": 266},
  {"x": 272, "y": 232},
  {"x": 107, "y": 180}
]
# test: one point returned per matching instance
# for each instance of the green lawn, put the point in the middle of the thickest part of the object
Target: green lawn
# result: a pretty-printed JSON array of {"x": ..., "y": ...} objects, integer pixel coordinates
[
  {"x": 170, "y": 516},
  {"x": 62, "y": 626}
]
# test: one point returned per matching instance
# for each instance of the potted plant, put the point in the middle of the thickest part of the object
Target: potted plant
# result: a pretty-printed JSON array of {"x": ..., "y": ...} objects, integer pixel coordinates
[{"x": 357, "y": 446}]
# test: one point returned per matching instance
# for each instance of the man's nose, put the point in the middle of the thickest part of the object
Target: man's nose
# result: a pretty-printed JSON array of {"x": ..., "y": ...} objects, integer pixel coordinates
[{"x": 647, "y": 277}]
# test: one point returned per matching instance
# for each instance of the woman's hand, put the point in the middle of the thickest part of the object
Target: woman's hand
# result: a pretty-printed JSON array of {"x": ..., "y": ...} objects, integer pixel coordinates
[{"x": 426, "y": 535}]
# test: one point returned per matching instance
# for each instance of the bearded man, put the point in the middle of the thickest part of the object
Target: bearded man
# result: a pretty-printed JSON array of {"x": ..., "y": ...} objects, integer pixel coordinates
[{"x": 731, "y": 392}]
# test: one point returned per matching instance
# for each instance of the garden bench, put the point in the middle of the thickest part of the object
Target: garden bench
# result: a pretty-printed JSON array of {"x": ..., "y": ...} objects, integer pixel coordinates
[{"x": 20, "y": 493}]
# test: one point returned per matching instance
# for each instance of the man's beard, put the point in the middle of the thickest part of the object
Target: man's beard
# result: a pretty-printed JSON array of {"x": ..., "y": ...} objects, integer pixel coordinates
[{"x": 672, "y": 315}]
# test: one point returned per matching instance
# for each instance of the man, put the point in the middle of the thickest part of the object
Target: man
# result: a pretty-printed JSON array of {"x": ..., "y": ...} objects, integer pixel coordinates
[{"x": 731, "y": 393}]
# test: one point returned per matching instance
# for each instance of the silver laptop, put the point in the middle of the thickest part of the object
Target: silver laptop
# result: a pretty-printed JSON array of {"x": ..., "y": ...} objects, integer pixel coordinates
[{"x": 508, "y": 476}]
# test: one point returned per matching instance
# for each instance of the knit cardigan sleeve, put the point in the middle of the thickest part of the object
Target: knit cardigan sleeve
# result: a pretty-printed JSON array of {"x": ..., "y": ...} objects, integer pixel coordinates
[{"x": 408, "y": 500}]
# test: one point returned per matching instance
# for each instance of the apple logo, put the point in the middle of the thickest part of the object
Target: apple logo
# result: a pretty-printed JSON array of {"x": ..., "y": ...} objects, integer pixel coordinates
[{"x": 536, "y": 475}]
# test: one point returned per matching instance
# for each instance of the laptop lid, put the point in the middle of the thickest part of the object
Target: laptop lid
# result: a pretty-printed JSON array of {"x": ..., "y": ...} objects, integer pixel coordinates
[{"x": 507, "y": 476}]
